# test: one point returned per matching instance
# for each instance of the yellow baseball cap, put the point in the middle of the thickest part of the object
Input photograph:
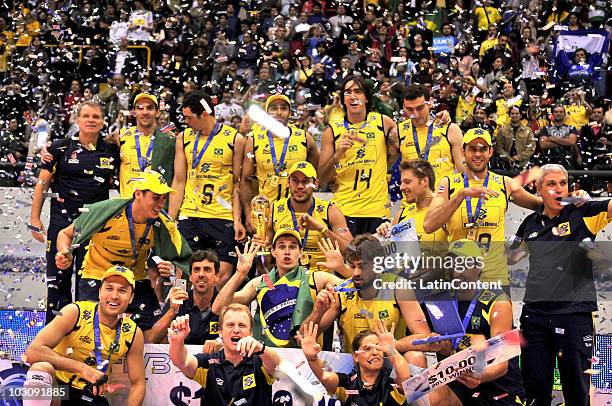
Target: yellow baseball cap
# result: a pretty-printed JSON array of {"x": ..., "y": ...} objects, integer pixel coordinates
[
  {"x": 153, "y": 181},
  {"x": 474, "y": 133},
  {"x": 286, "y": 231},
  {"x": 305, "y": 167},
  {"x": 146, "y": 96},
  {"x": 465, "y": 248},
  {"x": 275, "y": 97},
  {"x": 122, "y": 271}
]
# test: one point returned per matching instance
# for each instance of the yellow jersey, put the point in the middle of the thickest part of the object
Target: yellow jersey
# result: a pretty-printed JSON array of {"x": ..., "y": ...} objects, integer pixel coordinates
[
  {"x": 210, "y": 177},
  {"x": 576, "y": 116},
  {"x": 503, "y": 116},
  {"x": 112, "y": 245},
  {"x": 433, "y": 243},
  {"x": 79, "y": 344},
  {"x": 486, "y": 16},
  {"x": 490, "y": 222},
  {"x": 439, "y": 156},
  {"x": 357, "y": 314},
  {"x": 273, "y": 181},
  {"x": 362, "y": 172},
  {"x": 130, "y": 167},
  {"x": 282, "y": 218},
  {"x": 464, "y": 108}
]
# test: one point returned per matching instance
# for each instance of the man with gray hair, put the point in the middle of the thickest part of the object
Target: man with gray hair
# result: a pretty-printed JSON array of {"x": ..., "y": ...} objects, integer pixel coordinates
[
  {"x": 79, "y": 172},
  {"x": 560, "y": 293}
]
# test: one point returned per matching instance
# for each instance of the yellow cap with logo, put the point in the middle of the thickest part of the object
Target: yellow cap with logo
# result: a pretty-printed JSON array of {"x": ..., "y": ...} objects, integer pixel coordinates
[
  {"x": 305, "y": 167},
  {"x": 465, "y": 248},
  {"x": 275, "y": 97},
  {"x": 286, "y": 231},
  {"x": 118, "y": 270},
  {"x": 474, "y": 133},
  {"x": 151, "y": 180},
  {"x": 147, "y": 96}
]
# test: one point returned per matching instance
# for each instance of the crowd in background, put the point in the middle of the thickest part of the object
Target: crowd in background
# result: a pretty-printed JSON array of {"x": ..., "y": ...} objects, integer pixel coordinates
[{"x": 491, "y": 64}]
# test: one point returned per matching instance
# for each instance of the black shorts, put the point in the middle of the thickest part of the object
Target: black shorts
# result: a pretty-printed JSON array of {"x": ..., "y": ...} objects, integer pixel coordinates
[
  {"x": 217, "y": 234},
  {"x": 478, "y": 397},
  {"x": 362, "y": 225},
  {"x": 144, "y": 308}
]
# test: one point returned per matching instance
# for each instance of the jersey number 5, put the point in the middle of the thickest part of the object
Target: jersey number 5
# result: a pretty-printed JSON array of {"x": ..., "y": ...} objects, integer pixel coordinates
[{"x": 207, "y": 193}]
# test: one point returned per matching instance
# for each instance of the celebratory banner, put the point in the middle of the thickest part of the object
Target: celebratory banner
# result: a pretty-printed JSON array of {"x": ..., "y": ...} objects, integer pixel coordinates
[{"x": 495, "y": 350}]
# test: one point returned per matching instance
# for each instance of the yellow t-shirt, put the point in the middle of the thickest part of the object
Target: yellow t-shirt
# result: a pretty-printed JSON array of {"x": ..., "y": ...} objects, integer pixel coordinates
[
  {"x": 130, "y": 167},
  {"x": 464, "y": 109},
  {"x": 210, "y": 184},
  {"x": 357, "y": 314},
  {"x": 430, "y": 243},
  {"x": 576, "y": 116},
  {"x": 490, "y": 221},
  {"x": 440, "y": 156},
  {"x": 486, "y": 16},
  {"x": 282, "y": 218},
  {"x": 112, "y": 245},
  {"x": 362, "y": 171},
  {"x": 265, "y": 171},
  {"x": 82, "y": 343}
]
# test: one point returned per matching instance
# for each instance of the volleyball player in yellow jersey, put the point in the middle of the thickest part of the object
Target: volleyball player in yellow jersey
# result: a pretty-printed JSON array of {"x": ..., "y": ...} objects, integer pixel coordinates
[
  {"x": 417, "y": 183},
  {"x": 79, "y": 346},
  {"x": 354, "y": 155},
  {"x": 473, "y": 205},
  {"x": 268, "y": 156},
  {"x": 123, "y": 231},
  {"x": 312, "y": 217},
  {"x": 420, "y": 139},
  {"x": 144, "y": 145},
  {"x": 207, "y": 169},
  {"x": 356, "y": 308}
]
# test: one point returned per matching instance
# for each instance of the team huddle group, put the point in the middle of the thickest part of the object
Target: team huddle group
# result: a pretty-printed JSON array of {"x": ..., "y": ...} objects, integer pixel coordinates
[{"x": 184, "y": 214}]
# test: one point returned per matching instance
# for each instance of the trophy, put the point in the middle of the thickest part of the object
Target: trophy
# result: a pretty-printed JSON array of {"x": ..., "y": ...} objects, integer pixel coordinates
[{"x": 260, "y": 217}]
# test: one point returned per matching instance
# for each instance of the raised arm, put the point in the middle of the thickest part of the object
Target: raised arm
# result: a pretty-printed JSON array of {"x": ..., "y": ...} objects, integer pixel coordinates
[
  {"x": 311, "y": 350},
  {"x": 246, "y": 295},
  {"x": 186, "y": 363},
  {"x": 455, "y": 139},
  {"x": 520, "y": 196}
]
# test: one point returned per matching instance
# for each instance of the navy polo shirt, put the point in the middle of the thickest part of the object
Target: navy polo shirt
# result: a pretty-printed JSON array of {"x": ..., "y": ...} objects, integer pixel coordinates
[
  {"x": 224, "y": 383},
  {"x": 80, "y": 176},
  {"x": 352, "y": 392},
  {"x": 560, "y": 278},
  {"x": 204, "y": 324}
]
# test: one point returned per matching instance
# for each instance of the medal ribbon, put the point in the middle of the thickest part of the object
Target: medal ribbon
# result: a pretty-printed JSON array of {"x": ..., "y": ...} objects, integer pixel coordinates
[
  {"x": 197, "y": 157},
  {"x": 296, "y": 226},
  {"x": 128, "y": 214},
  {"x": 468, "y": 200},
  {"x": 278, "y": 165},
  {"x": 467, "y": 317},
  {"x": 98, "y": 343},
  {"x": 427, "y": 143},
  {"x": 142, "y": 162}
]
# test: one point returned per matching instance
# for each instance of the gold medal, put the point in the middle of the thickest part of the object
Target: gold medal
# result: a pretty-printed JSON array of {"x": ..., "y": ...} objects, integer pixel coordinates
[
  {"x": 274, "y": 181},
  {"x": 305, "y": 260},
  {"x": 472, "y": 233}
]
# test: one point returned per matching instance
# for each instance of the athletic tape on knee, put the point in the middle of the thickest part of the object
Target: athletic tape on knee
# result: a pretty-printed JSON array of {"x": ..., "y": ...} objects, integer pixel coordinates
[{"x": 38, "y": 378}]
